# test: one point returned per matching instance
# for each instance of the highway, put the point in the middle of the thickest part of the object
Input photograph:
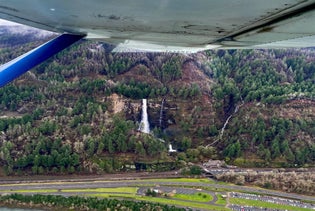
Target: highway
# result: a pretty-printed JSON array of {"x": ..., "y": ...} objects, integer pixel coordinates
[
  {"x": 144, "y": 184},
  {"x": 38, "y": 185}
]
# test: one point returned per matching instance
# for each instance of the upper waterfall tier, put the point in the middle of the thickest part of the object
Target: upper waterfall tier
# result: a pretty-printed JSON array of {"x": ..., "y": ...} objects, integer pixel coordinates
[{"x": 144, "y": 124}]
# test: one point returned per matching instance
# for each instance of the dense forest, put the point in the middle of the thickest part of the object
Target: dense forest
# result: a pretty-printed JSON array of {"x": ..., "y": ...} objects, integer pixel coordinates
[{"x": 80, "y": 110}]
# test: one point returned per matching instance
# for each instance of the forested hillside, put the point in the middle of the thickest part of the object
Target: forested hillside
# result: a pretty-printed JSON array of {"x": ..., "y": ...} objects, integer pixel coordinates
[
  {"x": 80, "y": 111},
  {"x": 274, "y": 93}
]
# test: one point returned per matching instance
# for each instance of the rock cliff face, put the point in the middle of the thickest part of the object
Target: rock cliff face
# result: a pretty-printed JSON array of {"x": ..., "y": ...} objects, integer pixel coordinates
[
  {"x": 161, "y": 113},
  {"x": 130, "y": 108}
]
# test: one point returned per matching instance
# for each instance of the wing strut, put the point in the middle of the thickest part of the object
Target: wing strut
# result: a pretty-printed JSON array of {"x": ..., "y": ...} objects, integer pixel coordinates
[{"x": 20, "y": 65}]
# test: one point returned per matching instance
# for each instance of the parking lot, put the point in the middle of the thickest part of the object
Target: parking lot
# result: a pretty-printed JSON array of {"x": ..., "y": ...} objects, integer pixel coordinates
[{"x": 273, "y": 199}]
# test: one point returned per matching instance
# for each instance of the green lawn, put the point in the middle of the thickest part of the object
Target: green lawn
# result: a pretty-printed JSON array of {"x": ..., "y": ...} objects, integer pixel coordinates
[
  {"x": 168, "y": 201},
  {"x": 248, "y": 202},
  {"x": 131, "y": 190},
  {"x": 182, "y": 203},
  {"x": 198, "y": 197},
  {"x": 181, "y": 180},
  {"x": 108, "y": 195},
  {"x": 221, "y": 200}
]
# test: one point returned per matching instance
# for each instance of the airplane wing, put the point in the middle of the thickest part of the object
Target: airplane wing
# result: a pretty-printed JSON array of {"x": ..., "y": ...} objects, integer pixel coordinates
[{"x": 173, "y": 25}]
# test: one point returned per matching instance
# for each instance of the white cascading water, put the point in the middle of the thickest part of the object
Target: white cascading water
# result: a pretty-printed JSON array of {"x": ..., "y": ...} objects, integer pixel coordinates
[
  {"x": 226, "y": 123},
  {"x": 228, "y": 119},
  {"x": 170, "y": 148},
  {"x": 144, "y": 124}
]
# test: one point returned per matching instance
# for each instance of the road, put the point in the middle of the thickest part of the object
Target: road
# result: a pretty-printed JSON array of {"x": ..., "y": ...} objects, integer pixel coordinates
[
  {"x": 98, "y": 183},
  {"x": 143, "y": 185}
]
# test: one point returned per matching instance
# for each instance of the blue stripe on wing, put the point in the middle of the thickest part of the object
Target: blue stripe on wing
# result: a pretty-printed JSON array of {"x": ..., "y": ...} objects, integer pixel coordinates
[{"x": 20, "y": 65}]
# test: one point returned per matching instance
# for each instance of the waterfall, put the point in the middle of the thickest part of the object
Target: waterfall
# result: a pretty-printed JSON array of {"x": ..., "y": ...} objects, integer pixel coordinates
[
  {"x": 228, "y": 119},
  {"x": 224, "y": 126},
  {"x": 226, "y": 123},
  {"x": 171, "y": 148},
  {"x": 161, "y": 113},
  {"x": 144, "y": 124}
]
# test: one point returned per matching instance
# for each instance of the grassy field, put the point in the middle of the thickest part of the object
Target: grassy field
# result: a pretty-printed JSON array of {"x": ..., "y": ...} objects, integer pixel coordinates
[
  {"x": 248, "y": 202},
  {"x": 198, "y": 197},
  {"x": 110, "y": 195},
  {"x": 196, "y": 180},
  {"x": 221, "y": 200},
  {"x": 131, "y": 190},
  {"x": 168, "y": 201},
  {"x": 183, "y": 203}
]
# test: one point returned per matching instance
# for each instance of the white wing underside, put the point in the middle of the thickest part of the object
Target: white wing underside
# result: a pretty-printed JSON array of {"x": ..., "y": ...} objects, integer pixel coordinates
[{"x": 173, "y": 25}]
